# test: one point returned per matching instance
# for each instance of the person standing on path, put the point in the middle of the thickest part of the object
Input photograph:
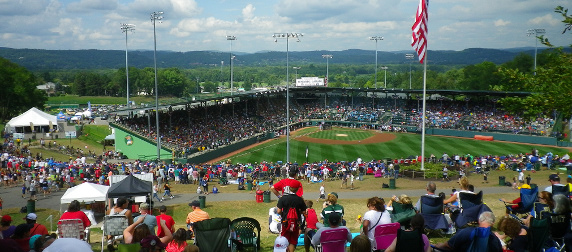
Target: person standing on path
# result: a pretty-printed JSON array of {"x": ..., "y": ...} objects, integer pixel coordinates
[
  {"x": 284, "y": 186},
  {"x": 288, "y": 202},
  {"x": 322, "y": 193},
  {"x": 156, "y": 192}
]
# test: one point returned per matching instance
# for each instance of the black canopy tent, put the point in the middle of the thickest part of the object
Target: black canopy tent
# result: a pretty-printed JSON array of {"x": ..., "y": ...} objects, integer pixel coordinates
[{"x": 129, "y": 187}]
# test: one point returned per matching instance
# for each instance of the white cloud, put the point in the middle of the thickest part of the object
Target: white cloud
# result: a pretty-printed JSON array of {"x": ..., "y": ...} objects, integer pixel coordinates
[
  {"x": 22, "y": 7},
  {"x": 248, "y": 12},
  {"x": 88, "y": 5},
  {"x": 547, "y": 19},
  {"x": 501, "y": 22}
]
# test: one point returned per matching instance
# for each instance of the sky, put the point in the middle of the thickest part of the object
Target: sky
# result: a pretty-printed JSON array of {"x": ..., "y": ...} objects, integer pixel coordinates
[{"x": 333, "y": 25}]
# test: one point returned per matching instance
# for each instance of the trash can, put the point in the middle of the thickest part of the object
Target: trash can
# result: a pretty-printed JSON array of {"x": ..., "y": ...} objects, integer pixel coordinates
[
  {"x": 203, "y": 201},
  {"x": 31, "y": 206},
  {"x": 249, "y": 185},
  {"x": 266, "y": 196},
  {"x": 391, "y": 183},
  {"x": 259, "y": 196},
  {"x": 502, "y": 180}
]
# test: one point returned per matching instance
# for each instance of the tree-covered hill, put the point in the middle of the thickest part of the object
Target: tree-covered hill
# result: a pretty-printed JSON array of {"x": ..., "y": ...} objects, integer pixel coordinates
[{"x": 43, "y": 60}]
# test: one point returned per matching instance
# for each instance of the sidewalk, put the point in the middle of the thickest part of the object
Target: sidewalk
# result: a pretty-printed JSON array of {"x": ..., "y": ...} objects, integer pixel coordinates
[{"x": 12, "y": 196}]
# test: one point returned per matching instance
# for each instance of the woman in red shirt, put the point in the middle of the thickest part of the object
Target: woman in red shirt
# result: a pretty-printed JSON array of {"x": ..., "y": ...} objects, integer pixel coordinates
[{"x": 74, "y": 212}]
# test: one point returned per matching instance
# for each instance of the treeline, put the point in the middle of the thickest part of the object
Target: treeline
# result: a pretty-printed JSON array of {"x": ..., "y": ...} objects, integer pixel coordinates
[{"x": 185, "y": 82}]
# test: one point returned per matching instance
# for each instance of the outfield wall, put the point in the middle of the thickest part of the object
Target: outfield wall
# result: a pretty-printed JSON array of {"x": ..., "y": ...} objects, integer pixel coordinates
[
  {"x": 496, "y": 136},
  {"x": 133, "y": 146}
]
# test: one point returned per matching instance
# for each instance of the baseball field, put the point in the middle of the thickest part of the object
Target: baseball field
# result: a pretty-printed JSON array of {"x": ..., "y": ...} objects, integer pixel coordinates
[{"x": 346, "y": 144}]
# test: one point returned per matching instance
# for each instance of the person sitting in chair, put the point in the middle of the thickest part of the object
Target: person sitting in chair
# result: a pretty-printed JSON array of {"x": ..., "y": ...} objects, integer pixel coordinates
[
  {"x": 417, "y": 225},
  {"x": 463, "y": 239},
  {"x": 334, "y": 219}
]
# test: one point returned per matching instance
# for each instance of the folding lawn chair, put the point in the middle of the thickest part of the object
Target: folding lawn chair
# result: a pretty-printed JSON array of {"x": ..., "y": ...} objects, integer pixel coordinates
[
  {"x": 333, "y": 240},
  {"x": 559, "y": 227},
  {"x": 385, "y": 234},
  {"x": 213, "y": 235},
  {"x": 113, "y": 225},
  {"x": 433, "y": 211},
  {"x": 402, "y": 213},
  {"x": 527, "y": 199},
  {"x": 71, "y": 228}
]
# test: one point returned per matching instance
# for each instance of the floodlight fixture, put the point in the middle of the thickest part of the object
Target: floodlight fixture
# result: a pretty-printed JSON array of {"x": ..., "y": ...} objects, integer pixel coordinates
[{"x": 287, "y": 36}]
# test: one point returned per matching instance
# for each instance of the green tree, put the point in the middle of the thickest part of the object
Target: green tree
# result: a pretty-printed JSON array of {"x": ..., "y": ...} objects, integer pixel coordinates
[
  {"x": 210, "y": 87},
  {"x": 481, "y": 76},
  {"x": 19, "y": 91},
  {"x": 523, "y": 62},
  {"x": 551, "y": 87}
]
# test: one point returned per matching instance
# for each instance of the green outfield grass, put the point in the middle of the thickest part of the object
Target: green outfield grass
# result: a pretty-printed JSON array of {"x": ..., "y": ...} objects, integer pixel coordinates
[
  {"x": 342, "y": 134},
  {"x": 404, "y": 145}
]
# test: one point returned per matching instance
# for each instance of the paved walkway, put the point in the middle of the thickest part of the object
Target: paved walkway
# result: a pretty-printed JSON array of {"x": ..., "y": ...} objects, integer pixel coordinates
[{"x": 12, "y": 196}]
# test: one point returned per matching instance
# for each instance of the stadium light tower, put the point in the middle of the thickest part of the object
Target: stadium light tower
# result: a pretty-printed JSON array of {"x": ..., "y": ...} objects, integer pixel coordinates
[
  {"x": 157, "y": 15},
  {"x": 410, "y": 57},
  {"x": 376, "y": 38},
  {"x": 385, "y": 76},
  {"x": 327, "y": 57},
  {"x": 287, "y": 36},
  {"x": 126, "y": 28},
  {"x": 296, "y": 69},
  {"x": 231, "y": 38},
  {"x": 535, "y": 32}
]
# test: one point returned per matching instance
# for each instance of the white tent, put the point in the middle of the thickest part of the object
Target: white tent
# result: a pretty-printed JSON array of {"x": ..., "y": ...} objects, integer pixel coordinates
[
  {"x": 31, "y": 118},
  {"x": 86, "y": 192}
]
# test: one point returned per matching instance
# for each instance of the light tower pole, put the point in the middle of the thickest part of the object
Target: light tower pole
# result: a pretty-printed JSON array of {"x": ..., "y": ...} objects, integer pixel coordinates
[
  {"x": 410, "y": 57},
  {"x": 327, "y": 57},
  {"x": 376, "y": 38},
  {"x": 231, "y": 38},
  {"x": 296, "y": 69},
  {"x": 287, "y": 36},
  {"x": 126, "y": 28},
  {"x": 385, "y": 76},
  {"x": 535, "y": 32},
  {"x": 157, "y": 15}
]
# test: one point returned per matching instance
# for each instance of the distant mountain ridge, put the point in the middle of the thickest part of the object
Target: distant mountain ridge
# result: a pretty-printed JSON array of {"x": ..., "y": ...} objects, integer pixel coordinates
[{"x": 44, "y": 60}]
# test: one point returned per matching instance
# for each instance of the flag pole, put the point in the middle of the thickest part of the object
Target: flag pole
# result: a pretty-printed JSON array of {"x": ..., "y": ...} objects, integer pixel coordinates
[{"x": 423, "y": 119}]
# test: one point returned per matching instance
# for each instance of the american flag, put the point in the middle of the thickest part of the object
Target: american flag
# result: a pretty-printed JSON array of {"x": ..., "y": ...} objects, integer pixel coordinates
[{"x": 419, "y": 29}]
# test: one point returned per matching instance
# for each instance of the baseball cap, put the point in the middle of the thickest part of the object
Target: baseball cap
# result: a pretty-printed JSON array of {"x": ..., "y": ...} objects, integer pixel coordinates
[
  {"x": 33, "y": 240},
  {"x": 554, "y": 177},
  {"x": 195, "y": 203},
  {"x": 335, "y": 194},
  {"x": 6, "y": 218},
  {"x": 152, "y": 241},
  {"x": 281, "y": 244},
  {"x": 144, "y": 205},
  {"x": 163, "y": 208},
  {"x": 31, "y": 216}
]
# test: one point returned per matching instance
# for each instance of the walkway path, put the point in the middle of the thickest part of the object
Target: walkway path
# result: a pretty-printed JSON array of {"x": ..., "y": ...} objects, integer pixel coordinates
[{"x": 12, "y": 196}]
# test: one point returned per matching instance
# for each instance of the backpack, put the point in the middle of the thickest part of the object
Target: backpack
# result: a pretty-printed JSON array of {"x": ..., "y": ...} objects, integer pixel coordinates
[{"x": 291, "y": 220}]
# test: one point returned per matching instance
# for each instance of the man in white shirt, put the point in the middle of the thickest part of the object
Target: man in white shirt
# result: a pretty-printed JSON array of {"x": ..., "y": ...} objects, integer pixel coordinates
[
  {"x": 431, "y": 188},
  {"x": 521, "y": 177},
  {"x": 554, "y": 180}
]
